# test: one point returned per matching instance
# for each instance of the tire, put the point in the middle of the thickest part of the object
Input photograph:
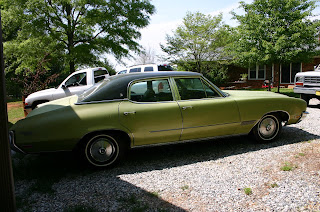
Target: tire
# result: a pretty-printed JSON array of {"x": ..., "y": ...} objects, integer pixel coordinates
[
  {"x": 103, "y": 150},
  {"x": 267, "y": 129},
  {"x": 305, "y": 97}
]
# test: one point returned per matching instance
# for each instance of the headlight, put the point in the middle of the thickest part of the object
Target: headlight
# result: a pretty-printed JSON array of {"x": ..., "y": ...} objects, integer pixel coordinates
[{"x": 299, "y": 81}]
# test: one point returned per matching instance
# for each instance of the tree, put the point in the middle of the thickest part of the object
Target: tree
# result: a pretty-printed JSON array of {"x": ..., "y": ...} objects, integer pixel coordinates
[
  {"x": 197, "y": 42},
  {"x": 147, "y": 55},
  {"x": 275, "y": 31},
  {"x": 79, "y": 31}
]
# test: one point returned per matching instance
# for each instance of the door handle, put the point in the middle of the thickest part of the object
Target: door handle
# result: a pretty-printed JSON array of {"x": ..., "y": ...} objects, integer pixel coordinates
[
  {"x": 186, "y": 107},
  {"x": 127, "y": 113}
]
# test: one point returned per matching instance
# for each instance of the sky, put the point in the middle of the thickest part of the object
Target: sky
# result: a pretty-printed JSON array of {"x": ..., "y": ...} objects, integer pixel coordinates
[{"x": 169, "y": 15}]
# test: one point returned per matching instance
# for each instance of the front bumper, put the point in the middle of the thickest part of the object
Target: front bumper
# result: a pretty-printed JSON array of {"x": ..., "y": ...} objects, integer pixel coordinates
[
  {"x": 307, "y": 90},
  {"x": 302, "y": 116},
  {"x": 13, "y": 146}
]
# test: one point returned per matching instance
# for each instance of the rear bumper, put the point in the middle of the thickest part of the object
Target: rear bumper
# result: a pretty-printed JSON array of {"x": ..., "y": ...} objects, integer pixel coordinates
[{"x": 13, "y": 146}]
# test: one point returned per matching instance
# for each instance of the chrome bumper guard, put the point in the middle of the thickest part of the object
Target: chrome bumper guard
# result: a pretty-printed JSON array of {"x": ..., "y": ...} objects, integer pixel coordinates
[
  {"x": 303, "y": 116},
  {"x": 12, "y": 144}
]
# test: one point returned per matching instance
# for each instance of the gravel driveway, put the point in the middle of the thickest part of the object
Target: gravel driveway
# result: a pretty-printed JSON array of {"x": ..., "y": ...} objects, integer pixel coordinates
[{"x": 203, "y": 176}]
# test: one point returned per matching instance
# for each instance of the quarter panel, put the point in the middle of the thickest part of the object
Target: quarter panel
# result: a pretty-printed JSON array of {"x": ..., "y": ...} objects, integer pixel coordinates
[{"x": 61, "y": 129}]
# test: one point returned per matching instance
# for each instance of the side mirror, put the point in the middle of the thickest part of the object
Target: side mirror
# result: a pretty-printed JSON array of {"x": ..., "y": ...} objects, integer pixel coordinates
[{"x": 63, "y": 86}]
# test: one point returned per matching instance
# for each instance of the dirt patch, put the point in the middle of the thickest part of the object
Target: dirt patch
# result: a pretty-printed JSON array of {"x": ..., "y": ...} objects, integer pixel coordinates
[{"x": 14, "y": 105}]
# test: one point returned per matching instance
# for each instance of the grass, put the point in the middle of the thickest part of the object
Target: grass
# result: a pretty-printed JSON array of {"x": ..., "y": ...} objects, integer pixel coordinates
[
  {"x": 154, "y": 194},
  {"x": 247, "y": 191},
  {"x": 185, "y": 187},
  {"x": 285, "y": 91},
  {"x": 274, "y": 185},
  {"x": 287, "y": 166},
  {"x": 15, "y": 112}
]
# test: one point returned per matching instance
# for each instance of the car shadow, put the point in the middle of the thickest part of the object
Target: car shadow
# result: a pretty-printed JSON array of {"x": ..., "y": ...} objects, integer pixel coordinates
[{"x": 107, "y": 186}]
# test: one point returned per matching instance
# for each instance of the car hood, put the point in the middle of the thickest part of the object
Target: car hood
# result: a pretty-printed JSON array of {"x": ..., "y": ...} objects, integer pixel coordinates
[
  {"x": 309, "y": 73},
  {"x": 253, "y": 94},
  {"x": 53, "y": 105},
  {"x": 45, "y": 92}
]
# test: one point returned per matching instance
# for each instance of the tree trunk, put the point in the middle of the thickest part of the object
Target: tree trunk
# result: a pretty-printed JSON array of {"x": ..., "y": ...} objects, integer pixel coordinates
[
  {"x": 70, "y": 34},
  {"x": 7, "y": 197}
]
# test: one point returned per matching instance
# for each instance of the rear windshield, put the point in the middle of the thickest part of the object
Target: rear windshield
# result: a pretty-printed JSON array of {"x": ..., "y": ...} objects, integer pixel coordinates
[
  {"x": 109, "y": 89},
  {"x": 165, "y": 68}
]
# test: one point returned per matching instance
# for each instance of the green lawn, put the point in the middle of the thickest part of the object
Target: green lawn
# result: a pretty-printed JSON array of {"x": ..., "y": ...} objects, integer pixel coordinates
[
  {"x": 15, "y": 112},
  {"x": 285, "y": 91}
]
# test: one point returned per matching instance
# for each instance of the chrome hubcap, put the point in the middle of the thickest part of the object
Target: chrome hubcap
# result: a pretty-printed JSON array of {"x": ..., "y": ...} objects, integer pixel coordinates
[
  {"x": 102, "y": 149},
  {"x": 268, "y": 127}
]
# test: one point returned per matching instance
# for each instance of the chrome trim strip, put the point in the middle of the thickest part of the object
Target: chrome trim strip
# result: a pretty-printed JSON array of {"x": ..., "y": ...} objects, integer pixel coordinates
[
  {"x": 103, "y": 101},
  {"x": 12, "y": 143},
  {"x": 248, "y": 122},
  {"x": 187, "y": 141},
  {"x": 211, "y": 125},
  {"x": 303, "y": 116}
]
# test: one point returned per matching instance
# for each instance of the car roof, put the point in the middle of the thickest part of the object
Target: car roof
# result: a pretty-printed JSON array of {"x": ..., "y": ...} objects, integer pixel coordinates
[{"x": 115, "y": 87}]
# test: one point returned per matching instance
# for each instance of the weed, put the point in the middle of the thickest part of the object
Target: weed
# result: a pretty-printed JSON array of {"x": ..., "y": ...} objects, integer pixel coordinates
[
  {"x": 287, "y": 167},
  {"x": 302, "y": 154},
  {"x": 274, "y": 185},
  {"x": 154, "y": 194},
  {"x": 247, "y": 191},
  {"x": 185, "y": 187}
]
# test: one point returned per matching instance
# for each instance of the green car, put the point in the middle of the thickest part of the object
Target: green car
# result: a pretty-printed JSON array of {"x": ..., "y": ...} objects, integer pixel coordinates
[{"x": 133, "y": 110}]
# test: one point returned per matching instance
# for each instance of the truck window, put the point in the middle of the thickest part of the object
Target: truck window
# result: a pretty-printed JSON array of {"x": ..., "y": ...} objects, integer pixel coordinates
[
  {"x": 132, "y": 70},
  {"x": 77, "y": 79},
  {"x": 147, "y": 69},
  {"x": 99, "y": 75}
]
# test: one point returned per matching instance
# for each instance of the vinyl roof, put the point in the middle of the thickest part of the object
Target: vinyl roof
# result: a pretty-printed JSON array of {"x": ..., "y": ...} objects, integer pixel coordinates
[{"x": 115, "y": 87}]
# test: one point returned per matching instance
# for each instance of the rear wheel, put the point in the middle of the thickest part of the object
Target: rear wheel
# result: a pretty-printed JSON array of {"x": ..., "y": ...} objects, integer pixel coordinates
[
  {"x": 103, "y": 150},
  {"x": 268, "y": 129}
]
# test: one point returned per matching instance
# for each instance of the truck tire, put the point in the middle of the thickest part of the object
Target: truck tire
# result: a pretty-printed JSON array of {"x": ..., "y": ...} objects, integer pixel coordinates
[{"x": 305, "y": 97}]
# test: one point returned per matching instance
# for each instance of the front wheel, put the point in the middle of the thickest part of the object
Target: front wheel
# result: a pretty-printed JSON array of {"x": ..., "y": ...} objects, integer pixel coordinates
[
  {"x": 267, "y": 129},
  {"x": 103, "y": 150}
]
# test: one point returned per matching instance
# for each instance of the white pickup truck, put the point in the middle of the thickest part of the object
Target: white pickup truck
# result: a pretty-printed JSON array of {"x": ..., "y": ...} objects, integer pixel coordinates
[
  {"x": 75, "y": 83},
  {"x": 307, "y": 84}
]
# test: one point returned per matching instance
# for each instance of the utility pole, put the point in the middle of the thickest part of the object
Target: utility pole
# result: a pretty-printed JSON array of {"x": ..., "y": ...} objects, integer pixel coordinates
[{"x": 7, "y": 197}]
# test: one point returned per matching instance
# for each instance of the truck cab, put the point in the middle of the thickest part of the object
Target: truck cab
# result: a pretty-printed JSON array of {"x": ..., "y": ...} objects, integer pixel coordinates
[{"x": 75, "y": 83}]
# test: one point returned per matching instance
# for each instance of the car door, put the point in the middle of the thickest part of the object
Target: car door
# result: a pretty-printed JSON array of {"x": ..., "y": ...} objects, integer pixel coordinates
[
  {"x": 151, "y": 115},
  {"x": 205, "y": 112}
]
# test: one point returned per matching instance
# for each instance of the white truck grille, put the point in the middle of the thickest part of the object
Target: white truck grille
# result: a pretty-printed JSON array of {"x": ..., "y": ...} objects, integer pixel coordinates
[{"x": 311, "y": 80}]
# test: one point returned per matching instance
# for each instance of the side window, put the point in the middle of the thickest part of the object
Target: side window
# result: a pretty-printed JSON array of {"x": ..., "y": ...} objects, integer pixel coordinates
[
  {"x": 194, "y": 88},
  {"x": 151, "y": 91},
  {"x": 133, "y": 70},
  {"x": 122, "y": 72},
  {"x": 77, "y": 79},
  {"x": 147, "y": 69},
  {"x": 99, "y": 75}
]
